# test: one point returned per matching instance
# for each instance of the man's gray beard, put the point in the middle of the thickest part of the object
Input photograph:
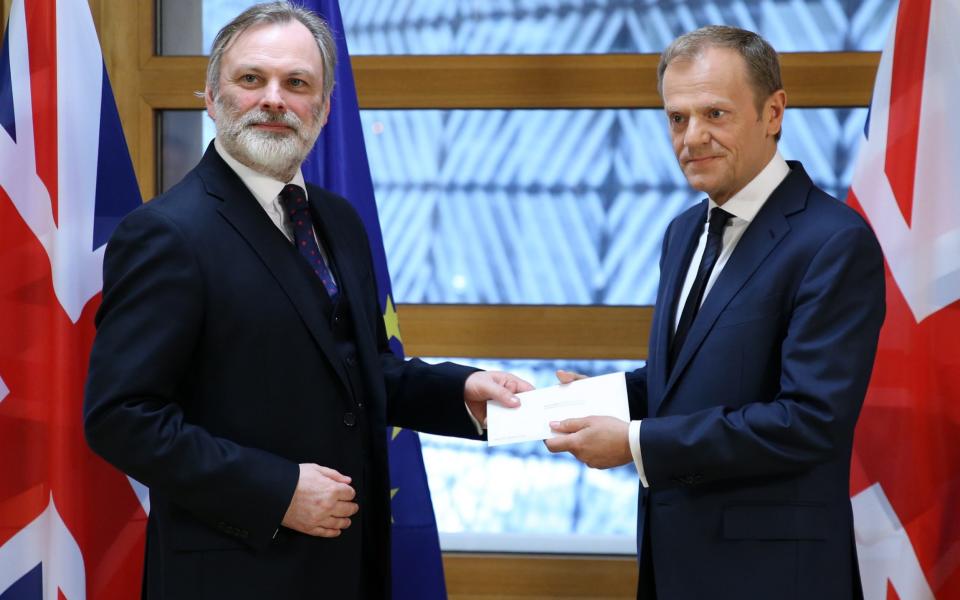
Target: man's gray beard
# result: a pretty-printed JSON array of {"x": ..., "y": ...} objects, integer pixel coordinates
[{"x": 277, "y": 155}]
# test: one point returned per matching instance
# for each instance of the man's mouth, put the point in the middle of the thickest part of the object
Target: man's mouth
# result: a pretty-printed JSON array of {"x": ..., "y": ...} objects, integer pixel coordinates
[
  {"x": 699, "y": 160},
  {"x": 272, "y": 127}
]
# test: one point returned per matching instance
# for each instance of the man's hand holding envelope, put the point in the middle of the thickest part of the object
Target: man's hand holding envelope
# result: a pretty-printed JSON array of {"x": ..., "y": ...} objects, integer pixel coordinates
[{"x": 587, "y": 417}]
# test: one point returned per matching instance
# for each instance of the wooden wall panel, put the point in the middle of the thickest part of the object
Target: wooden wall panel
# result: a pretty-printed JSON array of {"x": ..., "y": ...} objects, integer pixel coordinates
[
  {"x": 835, "y": 79},
  {"x": 554, "y": 81},
  {"x": 531, "y": 577},
  {"x": 582, "y": 81},
  {"x": 509, "y": 331},
  {"x": 126, "y": 39}
]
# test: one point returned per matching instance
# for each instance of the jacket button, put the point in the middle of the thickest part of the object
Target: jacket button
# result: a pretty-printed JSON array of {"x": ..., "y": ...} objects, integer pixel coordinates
[
  {"x": 349, "y": 419},
  {"x": 351, "y": 360}
]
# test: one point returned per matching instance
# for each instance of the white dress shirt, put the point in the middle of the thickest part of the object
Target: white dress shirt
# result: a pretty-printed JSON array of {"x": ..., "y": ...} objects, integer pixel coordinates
[
  {"x": 267, "y": 192},
  {"x": 744, "y": 206}
]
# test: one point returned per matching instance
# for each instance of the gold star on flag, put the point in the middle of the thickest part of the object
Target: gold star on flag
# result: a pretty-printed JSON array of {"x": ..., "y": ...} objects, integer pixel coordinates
[
  {"x": 396, "y": 432},
  {"x": 391, "y": 321},
  {"x": 393, "y": 492}
]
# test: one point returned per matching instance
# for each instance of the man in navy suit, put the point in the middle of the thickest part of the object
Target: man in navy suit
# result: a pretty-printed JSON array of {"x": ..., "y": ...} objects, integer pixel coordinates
[
  {"x": 241, "y": 368},
  {"x": 765, "y": 329}
]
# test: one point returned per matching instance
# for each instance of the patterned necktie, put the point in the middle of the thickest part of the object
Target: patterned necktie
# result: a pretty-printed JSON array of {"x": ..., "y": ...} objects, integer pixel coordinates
[
  {"x": 711, "y": 251},
  {"x": 294, "y": 199}
]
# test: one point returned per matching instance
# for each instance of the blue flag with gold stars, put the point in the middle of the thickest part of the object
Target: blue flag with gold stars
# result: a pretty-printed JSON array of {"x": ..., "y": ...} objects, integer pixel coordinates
[{"x": 339, "y": 163}]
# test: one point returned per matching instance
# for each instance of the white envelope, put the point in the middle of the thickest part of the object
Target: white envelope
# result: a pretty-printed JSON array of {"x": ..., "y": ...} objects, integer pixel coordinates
[{"x": 605, "y": 395}]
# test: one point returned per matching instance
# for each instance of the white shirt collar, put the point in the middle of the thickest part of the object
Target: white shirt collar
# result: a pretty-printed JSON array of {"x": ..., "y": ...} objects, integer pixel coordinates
[
  {"x": 264, "y": 188},
  {"x": 746, "y": 203}
]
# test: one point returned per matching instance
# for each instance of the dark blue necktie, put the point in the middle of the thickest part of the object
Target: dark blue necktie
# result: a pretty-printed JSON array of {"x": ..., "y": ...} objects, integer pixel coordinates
[
  {"x": 294, "y": 199},
  {"x": 711, "y": 251}
]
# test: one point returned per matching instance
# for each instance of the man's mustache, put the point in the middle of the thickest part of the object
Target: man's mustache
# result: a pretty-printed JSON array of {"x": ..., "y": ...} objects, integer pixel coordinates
[{"x": 263, "y": 117}]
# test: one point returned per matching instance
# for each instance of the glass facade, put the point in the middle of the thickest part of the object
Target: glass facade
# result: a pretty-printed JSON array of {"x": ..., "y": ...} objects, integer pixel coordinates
[
  {"x": 533, "y": 206},
  {"x": 549, "y": 206},
  {"x": 556, "y": 26}
]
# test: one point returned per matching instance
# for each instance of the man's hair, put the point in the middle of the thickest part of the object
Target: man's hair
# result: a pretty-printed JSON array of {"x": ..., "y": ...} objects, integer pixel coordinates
[
  {"x": 763, "y": 64},
  {"x": 275, "y": 13}
]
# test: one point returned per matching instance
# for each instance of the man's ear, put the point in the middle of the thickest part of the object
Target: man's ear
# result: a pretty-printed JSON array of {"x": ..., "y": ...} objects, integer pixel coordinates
[
  {"x": 326, "y": 112},
  {"x": 209, "y": 101},
  {"x": 773, "y": 111}
]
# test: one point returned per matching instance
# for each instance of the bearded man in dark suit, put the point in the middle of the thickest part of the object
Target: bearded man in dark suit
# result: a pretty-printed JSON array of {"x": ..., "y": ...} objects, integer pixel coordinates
[{"x": 241, "y": 368}]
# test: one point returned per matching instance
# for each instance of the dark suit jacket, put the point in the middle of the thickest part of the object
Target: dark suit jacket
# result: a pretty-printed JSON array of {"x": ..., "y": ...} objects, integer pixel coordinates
[
  {"x": 746, "y": 444},
  {"x": 215, "y": 372}
]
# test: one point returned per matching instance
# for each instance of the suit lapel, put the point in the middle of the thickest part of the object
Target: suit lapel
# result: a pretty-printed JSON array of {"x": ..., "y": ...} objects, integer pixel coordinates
[
  {"x": 683, "y": 244},
  {"x": 766, "y": 231},
  {"x": 242, "y": 211},
  {"x": 337, "y": 242}
]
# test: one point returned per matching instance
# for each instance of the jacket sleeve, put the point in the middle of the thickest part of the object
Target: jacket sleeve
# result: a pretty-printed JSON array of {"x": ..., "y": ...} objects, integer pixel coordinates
[
  {"x": 147, "y": 329},
  {"x": 425, "y": 397},
  {"x": 637, "y": 393},
  {"x": 826, "y": 361}
]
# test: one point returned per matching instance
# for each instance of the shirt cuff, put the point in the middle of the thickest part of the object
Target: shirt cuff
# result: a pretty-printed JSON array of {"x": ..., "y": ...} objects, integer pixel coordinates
[
  {"x": 479, "y": 426},
  {"x": 633, "y": 435}
]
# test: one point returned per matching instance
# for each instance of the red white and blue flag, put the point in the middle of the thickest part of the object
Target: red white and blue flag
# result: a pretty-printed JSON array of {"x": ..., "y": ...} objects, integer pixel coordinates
[
  {"x": 906, "y": 469},
  {"x": 71, "y": 526}
]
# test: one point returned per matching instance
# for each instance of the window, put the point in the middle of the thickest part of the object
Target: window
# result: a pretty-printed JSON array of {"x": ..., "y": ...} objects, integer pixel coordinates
[
  {"x": 385, "y": 27},
  {"x": 822, "y": 137},
  {"x": 533, "y": 207}
]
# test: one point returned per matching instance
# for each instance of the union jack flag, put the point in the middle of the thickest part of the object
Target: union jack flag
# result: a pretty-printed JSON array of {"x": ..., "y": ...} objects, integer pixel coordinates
[
  {"x": 71, "y": 526},
  {"x": 906, "y": 467}
]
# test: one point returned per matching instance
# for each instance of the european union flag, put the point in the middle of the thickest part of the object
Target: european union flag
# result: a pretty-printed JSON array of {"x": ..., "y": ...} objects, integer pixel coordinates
[{"x": 339, "y": 164}]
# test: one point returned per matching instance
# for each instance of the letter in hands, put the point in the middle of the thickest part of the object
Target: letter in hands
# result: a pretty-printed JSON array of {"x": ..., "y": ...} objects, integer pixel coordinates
[
  {"x": 596, "y": 441},
  {"x": 322, "y": 504}
]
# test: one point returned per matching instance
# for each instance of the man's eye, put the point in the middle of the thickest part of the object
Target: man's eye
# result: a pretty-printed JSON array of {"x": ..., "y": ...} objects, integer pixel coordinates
[
  {"x": 716, "y": 113},
  {"x": 297, "y": 82},
  {"x": 248, "y": 78},
  {"x": 676, "y": 119}
]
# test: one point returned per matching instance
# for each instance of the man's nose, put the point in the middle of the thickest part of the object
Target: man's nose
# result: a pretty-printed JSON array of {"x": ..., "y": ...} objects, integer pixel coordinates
[
  {"x": 697, "y": 133},
  {"x": 272, "y": 99}
]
